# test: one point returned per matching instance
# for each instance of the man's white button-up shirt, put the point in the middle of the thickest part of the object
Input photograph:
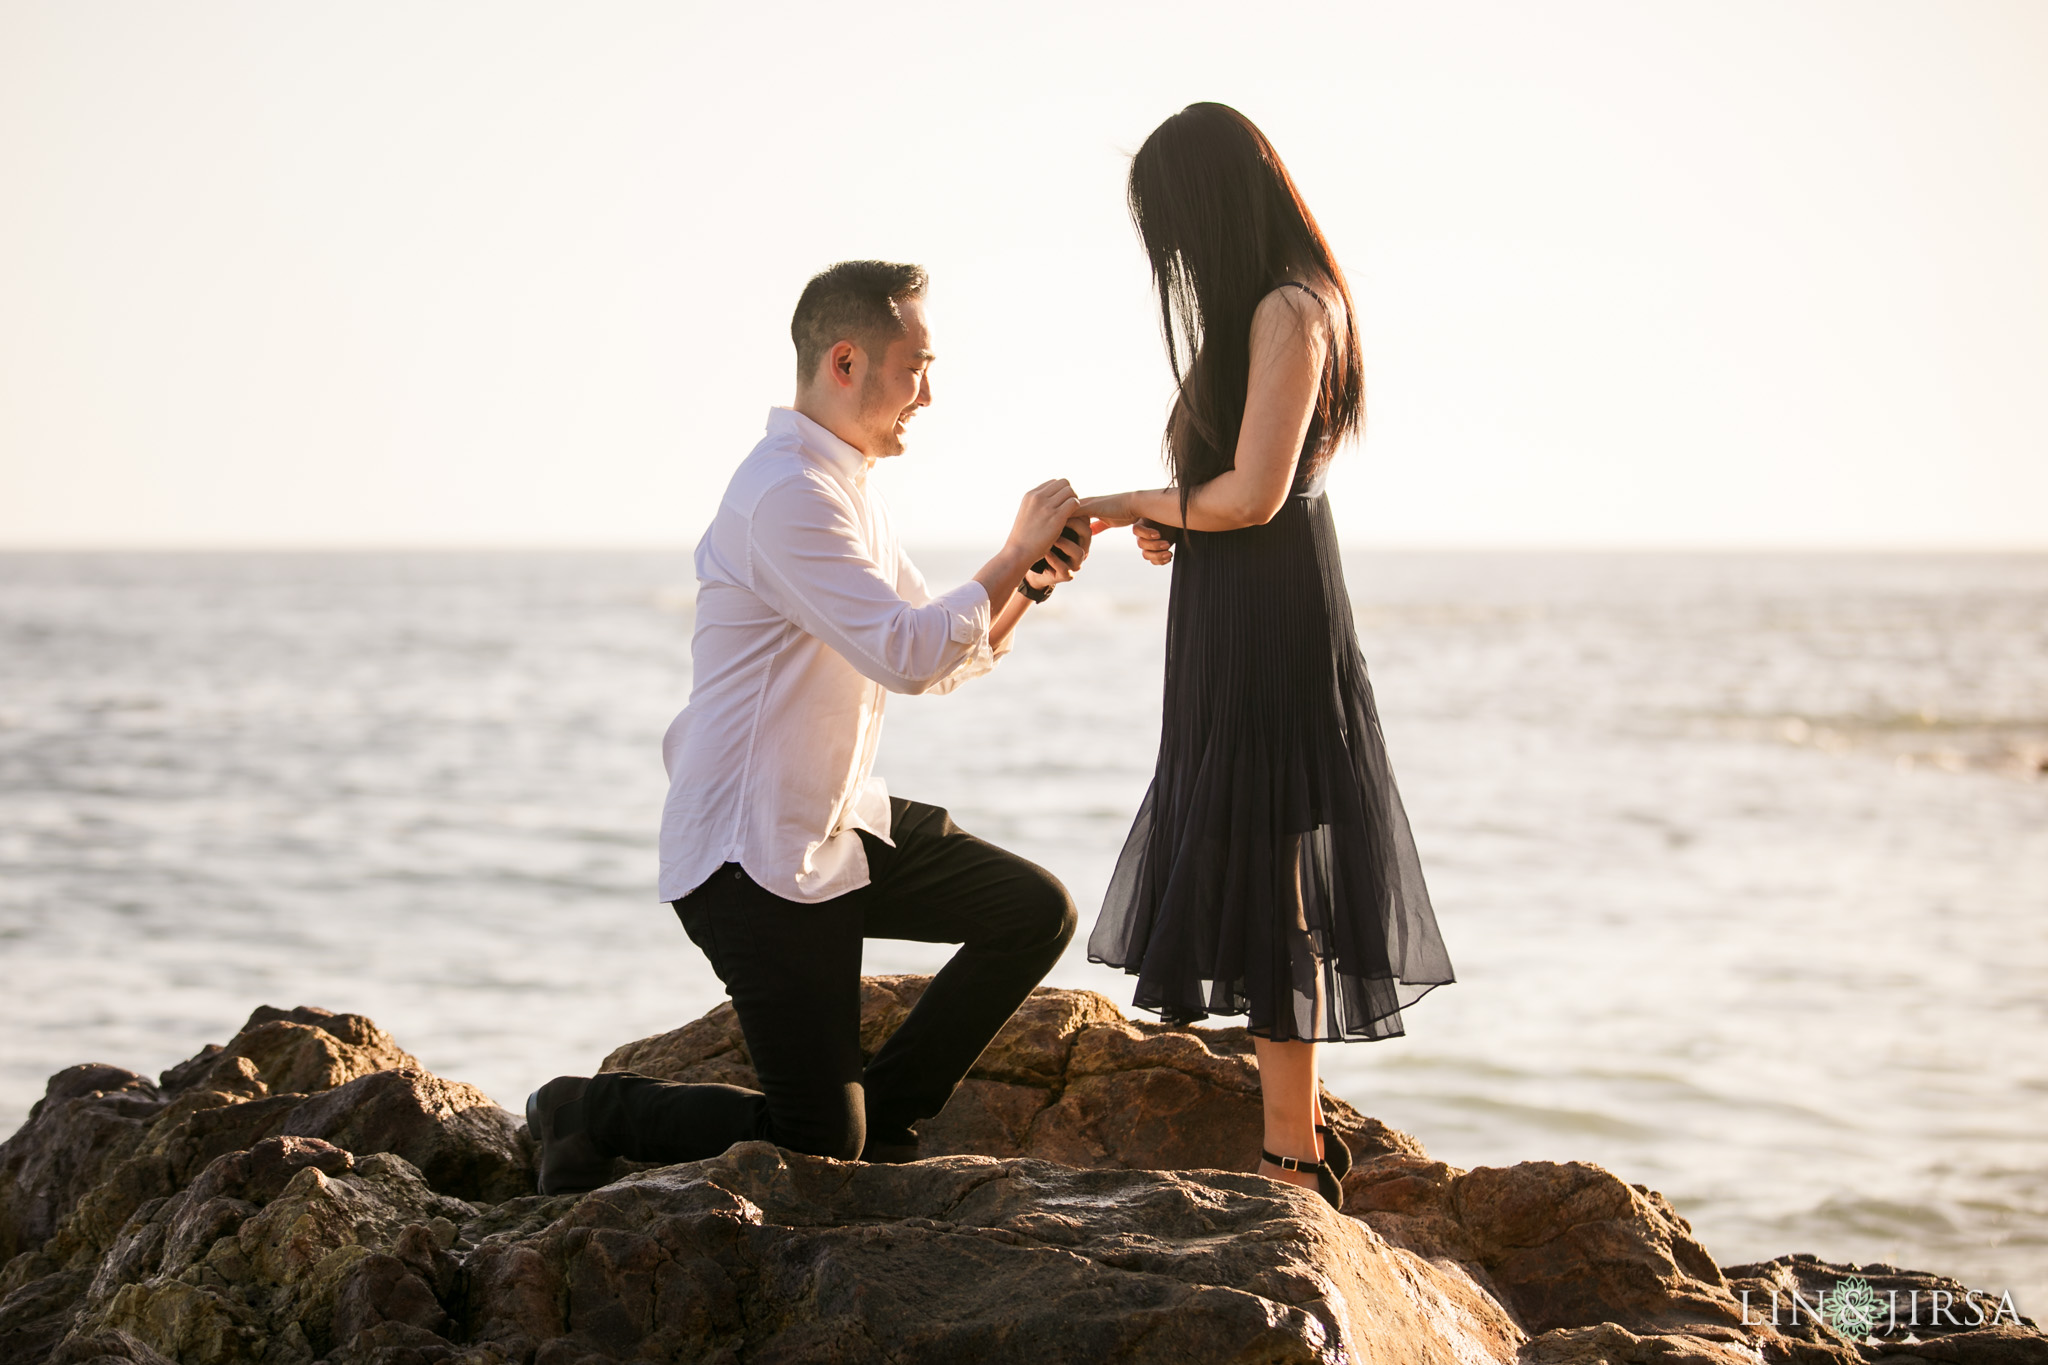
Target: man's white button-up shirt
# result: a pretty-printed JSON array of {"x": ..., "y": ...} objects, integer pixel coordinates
[{"x": 808, "y": 614}]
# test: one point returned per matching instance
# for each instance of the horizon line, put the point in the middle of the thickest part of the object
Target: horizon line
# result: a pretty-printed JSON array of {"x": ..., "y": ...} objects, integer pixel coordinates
[{"x": 349, "y": 547}]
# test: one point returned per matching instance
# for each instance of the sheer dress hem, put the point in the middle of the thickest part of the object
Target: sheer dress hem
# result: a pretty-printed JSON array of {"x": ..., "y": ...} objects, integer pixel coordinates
[{"x": 1270, "y": 871}]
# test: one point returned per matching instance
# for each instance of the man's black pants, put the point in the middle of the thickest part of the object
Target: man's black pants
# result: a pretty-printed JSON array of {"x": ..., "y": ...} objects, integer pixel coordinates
[{"x": 793, "y": 972}]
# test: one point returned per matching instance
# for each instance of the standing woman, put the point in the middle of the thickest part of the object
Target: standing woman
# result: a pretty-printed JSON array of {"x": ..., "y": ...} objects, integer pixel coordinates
[{"x": 1270, "y": 871}]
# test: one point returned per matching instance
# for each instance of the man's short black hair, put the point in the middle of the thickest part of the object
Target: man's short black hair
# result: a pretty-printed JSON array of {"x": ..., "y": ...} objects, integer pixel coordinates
[{"x": 853, "y": 301}]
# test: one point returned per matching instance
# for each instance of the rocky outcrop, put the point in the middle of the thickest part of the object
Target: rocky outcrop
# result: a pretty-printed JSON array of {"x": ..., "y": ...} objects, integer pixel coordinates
[
  {"x": 761, "y": 1254},
  {"x": 1564, "y": 1244},
  {"x": 307, "y": 1193},
  {"x": 106, "y": 1151},
  {"x": 285, "y": 1251},
  {"x": 95, "y": 1120},
  {"x": 1068, "y": 1079}
]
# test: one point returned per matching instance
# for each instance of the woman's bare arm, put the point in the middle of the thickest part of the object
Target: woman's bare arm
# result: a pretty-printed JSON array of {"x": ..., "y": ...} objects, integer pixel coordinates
[{"x": 1290, "y": 339}]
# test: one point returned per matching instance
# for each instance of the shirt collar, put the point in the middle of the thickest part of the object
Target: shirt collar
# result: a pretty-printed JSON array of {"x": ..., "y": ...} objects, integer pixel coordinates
[{"x": 820, "y": 444}]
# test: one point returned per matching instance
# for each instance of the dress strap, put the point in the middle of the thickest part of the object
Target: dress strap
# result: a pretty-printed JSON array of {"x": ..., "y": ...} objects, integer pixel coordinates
[{"x": 1303, "y": 288}]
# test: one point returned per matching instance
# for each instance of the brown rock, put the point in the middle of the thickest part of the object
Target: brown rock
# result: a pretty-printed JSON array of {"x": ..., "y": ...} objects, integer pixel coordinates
[
  {"x": 761, "y": 1254},
  {"x": 1607, "y": 1344},
  {"x": 35, "y": 1315},
  {"x": 984, "y": 1118},
  {"x": 1068, "y": 1079},
  {"x": 104, "y": 1141},
  {"x": 885, "y": 1002},
  {"x": 105, "y": 1348},
  {"x": 1563, "y": 1244},
  {"x": 1155, "y": 1117},
  {"x": 172, "y": 1234},
  {"x": 1573, "y": 1244},
  {"x": 514, "y": 1297},
  {"x": 116, "y": 1187},
  {"x": 1147, "y": 1096},
  {"x": 300, "y": 1051},
  {"x": 383, "y": 1289},
  {"x": 185, "y": 1138},
  {"x": 89, "y": 1119},
  {"x": 459, "y": 1138},
  {"x": 261, "y": 1173},
  {"x": 1036, "y": 1046},
  {"x": 705, "y": 1050},
  {"x": 223, "y": 1220},
  {"x": 273, "y": 1251}
]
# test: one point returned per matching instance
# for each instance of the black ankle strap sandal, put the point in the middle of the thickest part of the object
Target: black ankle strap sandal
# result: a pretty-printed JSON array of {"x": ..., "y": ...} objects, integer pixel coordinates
[
  {"x": 1335, "y": 1154},
  {"x": 1327, "y": 1184}
]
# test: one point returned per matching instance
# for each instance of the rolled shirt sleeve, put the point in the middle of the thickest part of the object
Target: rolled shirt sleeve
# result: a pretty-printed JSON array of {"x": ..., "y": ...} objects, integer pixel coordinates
[
  {"x": 910, "y": 585},
  {"x": 817, "y": 572},
  {"x": 982, "y": 657}
]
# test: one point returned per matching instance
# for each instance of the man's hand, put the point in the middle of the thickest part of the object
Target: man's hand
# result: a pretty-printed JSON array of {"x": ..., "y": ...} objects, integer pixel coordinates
[
  {"x": 1066, "y": 556},
  {"x": 1070, "y": 551},
  {"x": 1041, "y": 517},
  {"x": 1044, "y": 512},
  {"x": 1080, "y": 527}
]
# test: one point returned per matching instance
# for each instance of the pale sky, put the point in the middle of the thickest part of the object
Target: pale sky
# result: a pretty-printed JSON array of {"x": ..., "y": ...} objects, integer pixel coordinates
[{"x": 1628, "y": 274}]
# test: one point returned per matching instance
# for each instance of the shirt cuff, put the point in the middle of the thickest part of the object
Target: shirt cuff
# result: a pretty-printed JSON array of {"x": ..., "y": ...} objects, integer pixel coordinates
[{"x": 968, "y": 606}]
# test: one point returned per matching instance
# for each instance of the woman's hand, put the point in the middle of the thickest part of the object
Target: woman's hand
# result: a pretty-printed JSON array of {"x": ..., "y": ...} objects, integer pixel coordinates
[
  {"x": 1152, "y": 543},
  {"x": 1112, "y": 509},
  {"x": 1121, "y": 509}
]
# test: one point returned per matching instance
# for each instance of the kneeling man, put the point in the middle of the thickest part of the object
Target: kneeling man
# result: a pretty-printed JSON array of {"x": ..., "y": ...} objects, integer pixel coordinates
[{"x": 779, "y": 850}]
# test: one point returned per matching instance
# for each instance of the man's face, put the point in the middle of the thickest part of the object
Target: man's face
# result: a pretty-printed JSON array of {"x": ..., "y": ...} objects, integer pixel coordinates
[{"x": 897, "y": 384}]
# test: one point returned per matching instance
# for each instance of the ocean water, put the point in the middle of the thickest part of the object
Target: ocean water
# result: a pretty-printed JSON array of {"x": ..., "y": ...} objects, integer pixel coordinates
[{"x": 1742, "y": 859}]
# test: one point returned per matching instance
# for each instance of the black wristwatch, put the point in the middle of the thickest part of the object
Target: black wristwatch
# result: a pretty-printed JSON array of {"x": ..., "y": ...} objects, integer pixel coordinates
[{"x": 1035, "y": 594}]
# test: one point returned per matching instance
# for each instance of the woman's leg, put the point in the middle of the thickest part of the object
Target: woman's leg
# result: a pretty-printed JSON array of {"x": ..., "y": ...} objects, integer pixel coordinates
[
  {"x": 1287, "y": 1086},
  {"x": 1315, "y": 1089}
]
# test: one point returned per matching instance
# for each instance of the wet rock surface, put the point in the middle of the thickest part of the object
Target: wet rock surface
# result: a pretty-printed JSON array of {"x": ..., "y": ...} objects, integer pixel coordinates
[{"x": 307, "y": 1192}]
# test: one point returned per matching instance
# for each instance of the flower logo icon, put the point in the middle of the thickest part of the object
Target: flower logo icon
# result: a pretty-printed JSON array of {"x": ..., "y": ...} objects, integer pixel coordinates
[{"x": 1852, "y": 1308}]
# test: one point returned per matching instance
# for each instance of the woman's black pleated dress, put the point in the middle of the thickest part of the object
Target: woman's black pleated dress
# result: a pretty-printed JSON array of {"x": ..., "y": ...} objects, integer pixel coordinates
[{"x": 1270, "y": 871}]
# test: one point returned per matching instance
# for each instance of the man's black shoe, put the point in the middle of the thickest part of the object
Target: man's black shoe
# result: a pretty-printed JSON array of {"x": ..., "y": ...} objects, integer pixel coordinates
[{"x": 570, "y": 1159}]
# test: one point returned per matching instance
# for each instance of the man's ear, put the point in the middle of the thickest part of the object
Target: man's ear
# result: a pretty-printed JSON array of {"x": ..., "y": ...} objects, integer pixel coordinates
[{"x": 839, "y": 362}]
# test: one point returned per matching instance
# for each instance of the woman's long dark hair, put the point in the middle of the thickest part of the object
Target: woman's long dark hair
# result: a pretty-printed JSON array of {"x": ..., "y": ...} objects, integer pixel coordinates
[{"x": 1222, "y": 223}]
